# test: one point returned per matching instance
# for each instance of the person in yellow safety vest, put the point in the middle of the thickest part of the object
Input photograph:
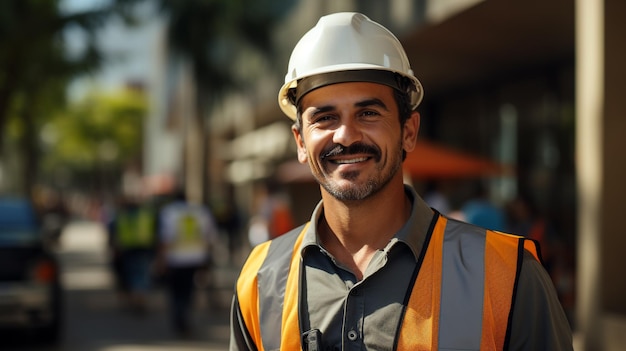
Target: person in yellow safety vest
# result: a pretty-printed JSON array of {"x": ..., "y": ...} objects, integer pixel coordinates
[
  {"x": 376, "y": 268},
  {"x": 187, "y": 235},
  {"x": 133, "y": 246}
]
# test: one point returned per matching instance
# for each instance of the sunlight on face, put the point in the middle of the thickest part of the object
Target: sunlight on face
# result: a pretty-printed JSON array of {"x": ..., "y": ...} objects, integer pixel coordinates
[{"x": 351, "y": 138}]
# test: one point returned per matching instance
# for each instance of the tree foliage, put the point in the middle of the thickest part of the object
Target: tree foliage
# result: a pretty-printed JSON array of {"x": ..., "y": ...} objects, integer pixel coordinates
[
  {"x": 35, "y": 68},
  {"x": 103, "y": 130}
]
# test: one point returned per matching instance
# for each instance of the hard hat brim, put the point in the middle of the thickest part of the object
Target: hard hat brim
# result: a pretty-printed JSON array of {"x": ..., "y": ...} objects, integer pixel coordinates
[{"x": 348, "y": 73}]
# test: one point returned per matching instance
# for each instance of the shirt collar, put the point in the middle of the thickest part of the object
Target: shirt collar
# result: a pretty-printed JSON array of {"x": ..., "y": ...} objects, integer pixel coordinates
[{"x": 413, "y": 233}]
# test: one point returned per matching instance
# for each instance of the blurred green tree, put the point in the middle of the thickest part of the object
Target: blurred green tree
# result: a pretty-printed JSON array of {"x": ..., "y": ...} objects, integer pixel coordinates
[
  {"x": 35, "y": 68},
  {"x": 95, "y": 138}
]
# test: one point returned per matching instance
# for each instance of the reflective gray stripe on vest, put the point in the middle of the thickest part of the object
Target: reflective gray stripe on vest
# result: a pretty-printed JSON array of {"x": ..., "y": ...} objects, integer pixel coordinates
[
  {"x": 462, "y": 287},
  {"x": 272, "y": 282}
]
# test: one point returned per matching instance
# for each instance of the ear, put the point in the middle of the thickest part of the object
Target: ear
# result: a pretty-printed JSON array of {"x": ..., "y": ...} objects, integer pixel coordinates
[
  {"x": 302, "y": 155},
  {"x": 411, "y": 128}
]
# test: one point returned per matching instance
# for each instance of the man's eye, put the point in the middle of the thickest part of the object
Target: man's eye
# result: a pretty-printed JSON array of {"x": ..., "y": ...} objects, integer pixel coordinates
[
  {"x": 323, "y": 118},
  {"x": 370, "y": 113}
]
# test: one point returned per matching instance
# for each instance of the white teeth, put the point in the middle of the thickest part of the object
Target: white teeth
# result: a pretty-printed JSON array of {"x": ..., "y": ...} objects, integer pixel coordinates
[{"x": 354, "y": 160}]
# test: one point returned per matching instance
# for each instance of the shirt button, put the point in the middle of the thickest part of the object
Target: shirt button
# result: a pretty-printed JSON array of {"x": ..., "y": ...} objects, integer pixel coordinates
[{"x": 352, "y": 335}]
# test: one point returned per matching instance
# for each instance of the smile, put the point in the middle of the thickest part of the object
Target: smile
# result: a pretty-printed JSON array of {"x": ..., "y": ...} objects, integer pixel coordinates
[{"x": 350, "y": 160}]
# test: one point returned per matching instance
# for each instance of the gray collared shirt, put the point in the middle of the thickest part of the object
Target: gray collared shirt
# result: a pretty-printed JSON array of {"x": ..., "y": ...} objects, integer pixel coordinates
[{"x": 356, "y": 313}]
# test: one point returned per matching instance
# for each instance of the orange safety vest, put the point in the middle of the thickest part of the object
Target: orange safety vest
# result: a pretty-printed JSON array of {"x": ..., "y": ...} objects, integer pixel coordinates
[{"x": 442, "y": 312}]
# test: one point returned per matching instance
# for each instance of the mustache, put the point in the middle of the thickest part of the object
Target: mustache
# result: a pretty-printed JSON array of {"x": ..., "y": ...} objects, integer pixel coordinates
[{"x": 357, "y": 148}]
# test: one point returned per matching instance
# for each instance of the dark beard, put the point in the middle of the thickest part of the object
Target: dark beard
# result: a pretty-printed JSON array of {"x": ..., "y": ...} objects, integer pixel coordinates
[{"x": 373, "y": 185}]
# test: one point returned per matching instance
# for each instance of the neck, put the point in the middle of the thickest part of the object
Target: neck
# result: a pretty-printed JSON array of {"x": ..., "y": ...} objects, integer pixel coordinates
[{"x": 353, "y": 231}]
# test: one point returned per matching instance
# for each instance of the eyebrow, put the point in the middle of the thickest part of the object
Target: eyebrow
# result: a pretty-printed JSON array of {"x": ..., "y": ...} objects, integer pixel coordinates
[
  {"x": 323, "y": 109},
  {"x": 361, "y": 104},
  {"x": 372, "y": 102}
]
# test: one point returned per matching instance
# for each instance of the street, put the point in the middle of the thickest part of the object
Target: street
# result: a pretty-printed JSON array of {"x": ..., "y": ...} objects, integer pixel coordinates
[{"x": 94, "y": 320}]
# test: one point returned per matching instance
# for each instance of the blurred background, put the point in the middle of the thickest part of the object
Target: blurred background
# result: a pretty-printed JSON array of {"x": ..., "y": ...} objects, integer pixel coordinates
[{"x": 102, "y": 101}]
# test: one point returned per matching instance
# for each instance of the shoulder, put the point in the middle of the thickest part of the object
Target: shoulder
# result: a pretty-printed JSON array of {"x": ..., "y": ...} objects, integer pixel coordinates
[
  {"x": 280, "y": 250},
  {"x": 289, "y": 238},
  {"x": 270, "y": 258},
  {"x": 534, "y": 279},
  {"x": 271, "y": 250},
  {"x": 538, "y": 318}
]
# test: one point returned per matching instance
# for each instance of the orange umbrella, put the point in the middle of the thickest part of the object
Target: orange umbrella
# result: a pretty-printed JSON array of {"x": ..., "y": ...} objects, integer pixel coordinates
[{"x": 431, "y": 160}]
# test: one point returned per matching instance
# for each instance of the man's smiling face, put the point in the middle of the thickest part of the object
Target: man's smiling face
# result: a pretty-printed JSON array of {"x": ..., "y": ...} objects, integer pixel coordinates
[{"x": 351, "y": 138}]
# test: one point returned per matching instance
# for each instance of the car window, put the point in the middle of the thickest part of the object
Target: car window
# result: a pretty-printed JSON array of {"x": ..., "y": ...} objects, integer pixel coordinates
[{"x": 18, "y": 222}]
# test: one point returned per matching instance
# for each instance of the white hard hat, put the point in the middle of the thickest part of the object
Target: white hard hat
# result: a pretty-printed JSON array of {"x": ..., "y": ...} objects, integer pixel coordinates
[{"x": 346, "y": 47}]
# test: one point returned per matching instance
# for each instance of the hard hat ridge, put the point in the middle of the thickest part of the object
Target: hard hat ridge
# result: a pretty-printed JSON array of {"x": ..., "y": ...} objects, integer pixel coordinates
[{"x": 343, "y": 42}]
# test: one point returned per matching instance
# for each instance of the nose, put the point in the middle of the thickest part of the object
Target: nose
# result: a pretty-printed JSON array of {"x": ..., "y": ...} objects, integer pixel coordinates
[{"x": 347, "y": 133}]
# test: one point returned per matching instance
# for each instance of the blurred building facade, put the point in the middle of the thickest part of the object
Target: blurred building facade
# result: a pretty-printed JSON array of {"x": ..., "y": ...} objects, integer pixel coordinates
[{"x": 531, "y": 84}]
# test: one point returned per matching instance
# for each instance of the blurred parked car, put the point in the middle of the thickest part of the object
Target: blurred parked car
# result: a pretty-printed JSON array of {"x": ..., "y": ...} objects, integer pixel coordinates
[{"x": 30, "y": 289}]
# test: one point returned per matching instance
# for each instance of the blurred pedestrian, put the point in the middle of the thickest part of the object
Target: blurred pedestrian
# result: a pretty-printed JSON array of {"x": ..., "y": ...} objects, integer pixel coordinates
[
  {"x": 481, "y": 211},
  {"x": 258, "y": 230},
  {"x": 187, "y": 234},
  {"x": 272, "y": 215},
  {"x": 228, "y": 220},
  {"x": 132, "y": 240},
  {"x": 376, "y": 268},
  {"x": 524, "y": 218},
  {"x": 277, "y": 211},
  {"x": 54, "y": 215},
  {"x": 437, "y": 198}
]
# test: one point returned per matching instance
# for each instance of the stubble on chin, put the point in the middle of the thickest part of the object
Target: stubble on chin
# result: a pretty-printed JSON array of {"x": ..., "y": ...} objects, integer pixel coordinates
[
  {"x": 351, "y": 191},
  {"x": 354, "y": 191}
]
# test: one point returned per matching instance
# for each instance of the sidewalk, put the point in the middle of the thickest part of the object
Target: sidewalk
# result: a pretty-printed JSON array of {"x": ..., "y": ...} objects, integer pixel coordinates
[{"x": 95, "y": 320}]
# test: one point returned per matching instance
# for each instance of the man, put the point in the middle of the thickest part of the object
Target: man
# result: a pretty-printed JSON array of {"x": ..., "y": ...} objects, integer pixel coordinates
[
  {"x": 132, "y": 243},
  {"x": 187, "y": 234},
  {"x": 376, "y": 268}
]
